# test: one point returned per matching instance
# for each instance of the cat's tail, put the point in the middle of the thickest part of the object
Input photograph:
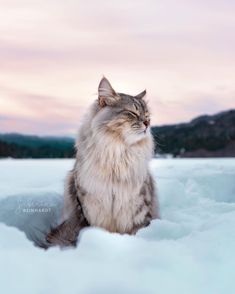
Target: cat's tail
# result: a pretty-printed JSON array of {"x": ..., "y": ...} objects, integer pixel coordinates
[
  {"x": 55, "y": 237},
  {"x": 64, "y": 235},
  {"x": 38, "y": 237}
]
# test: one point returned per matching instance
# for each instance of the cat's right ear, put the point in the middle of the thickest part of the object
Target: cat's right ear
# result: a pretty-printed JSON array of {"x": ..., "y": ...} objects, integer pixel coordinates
[{"x": 107, "y": 95}]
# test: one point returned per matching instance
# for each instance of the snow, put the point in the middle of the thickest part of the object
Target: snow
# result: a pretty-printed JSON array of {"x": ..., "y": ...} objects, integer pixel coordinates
[{"x": 190, "y": 250}]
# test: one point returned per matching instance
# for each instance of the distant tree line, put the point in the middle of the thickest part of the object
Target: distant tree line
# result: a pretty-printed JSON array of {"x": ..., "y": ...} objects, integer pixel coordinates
[
  {"x": 19, "y": 146},
  {"x": 205, "y": 136}
]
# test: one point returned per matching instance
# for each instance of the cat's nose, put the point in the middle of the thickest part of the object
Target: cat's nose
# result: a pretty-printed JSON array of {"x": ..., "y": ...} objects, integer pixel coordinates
[{"x": 146, "y": 123}]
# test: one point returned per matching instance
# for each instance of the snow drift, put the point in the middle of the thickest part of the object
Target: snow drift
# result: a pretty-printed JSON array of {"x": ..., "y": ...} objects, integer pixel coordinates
[{"x": 190, "y": 250}]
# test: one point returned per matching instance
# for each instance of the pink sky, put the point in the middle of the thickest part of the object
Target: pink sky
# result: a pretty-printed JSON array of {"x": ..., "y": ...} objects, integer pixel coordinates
[{"x": 53, "y": 54}]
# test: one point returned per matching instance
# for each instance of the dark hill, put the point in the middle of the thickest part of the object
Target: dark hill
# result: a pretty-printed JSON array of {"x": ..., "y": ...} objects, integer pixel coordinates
[{"x": 204, "y": 136}]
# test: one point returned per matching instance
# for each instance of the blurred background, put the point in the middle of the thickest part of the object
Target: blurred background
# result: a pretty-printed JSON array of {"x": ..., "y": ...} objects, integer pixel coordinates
[{"x": 54, "y": 53}]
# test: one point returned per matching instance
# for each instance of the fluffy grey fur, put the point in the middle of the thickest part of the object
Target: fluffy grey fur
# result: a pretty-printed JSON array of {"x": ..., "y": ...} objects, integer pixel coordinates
[{"x": 110, "y": 185}]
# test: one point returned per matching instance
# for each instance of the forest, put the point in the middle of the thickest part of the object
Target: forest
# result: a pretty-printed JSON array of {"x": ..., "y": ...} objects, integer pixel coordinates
[{"x": 204, "y": 136}]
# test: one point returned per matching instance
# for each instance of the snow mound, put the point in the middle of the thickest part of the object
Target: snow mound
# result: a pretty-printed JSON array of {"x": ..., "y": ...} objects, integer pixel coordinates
[{"x": 190, "y": 250}]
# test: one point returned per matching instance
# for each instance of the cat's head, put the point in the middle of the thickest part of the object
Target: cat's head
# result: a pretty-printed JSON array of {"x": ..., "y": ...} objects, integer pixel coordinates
[{"x": 122, "y": 115}]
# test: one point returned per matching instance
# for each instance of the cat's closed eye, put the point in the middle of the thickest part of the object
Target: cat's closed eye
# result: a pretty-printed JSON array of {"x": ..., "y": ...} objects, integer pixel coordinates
[{"x": 131, "y": 114}]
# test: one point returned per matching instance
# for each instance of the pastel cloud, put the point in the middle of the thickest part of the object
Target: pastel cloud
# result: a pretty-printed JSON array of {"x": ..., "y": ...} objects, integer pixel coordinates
[
  {"x": 44, "y": 114},
  {"x": 53, "y": 53}
]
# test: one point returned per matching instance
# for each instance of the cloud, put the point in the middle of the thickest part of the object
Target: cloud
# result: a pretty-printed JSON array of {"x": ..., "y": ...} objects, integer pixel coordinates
[
  {"x": 42, "y": 113},
  {"x": 41, "y": 127},
  {"x": 54, "y": 52}
]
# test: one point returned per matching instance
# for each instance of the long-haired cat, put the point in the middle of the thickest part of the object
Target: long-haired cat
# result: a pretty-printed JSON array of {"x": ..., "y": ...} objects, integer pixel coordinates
[{"x": 110, "y": 185}]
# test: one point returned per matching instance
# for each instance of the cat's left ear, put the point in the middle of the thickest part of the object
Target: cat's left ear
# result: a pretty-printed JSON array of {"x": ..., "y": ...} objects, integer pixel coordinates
[
  {"x": 107, "y": 95},
  {"x": 141, "y": 95}
]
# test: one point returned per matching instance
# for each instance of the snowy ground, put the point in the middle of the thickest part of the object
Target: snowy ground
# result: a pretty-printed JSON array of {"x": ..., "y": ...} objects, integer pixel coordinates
[{"x": 190, "y": 250}]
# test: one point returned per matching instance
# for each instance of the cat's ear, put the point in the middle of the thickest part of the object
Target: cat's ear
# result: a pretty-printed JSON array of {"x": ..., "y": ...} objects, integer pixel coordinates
[
  {"x": 107, "y": 95},
  {"x": 141, "y": 95}
]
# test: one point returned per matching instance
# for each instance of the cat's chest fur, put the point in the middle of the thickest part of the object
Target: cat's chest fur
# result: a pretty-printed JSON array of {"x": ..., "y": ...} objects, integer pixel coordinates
[
  {"x": 113, "y": 210},
  {"x": 116, "y": 176}
]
